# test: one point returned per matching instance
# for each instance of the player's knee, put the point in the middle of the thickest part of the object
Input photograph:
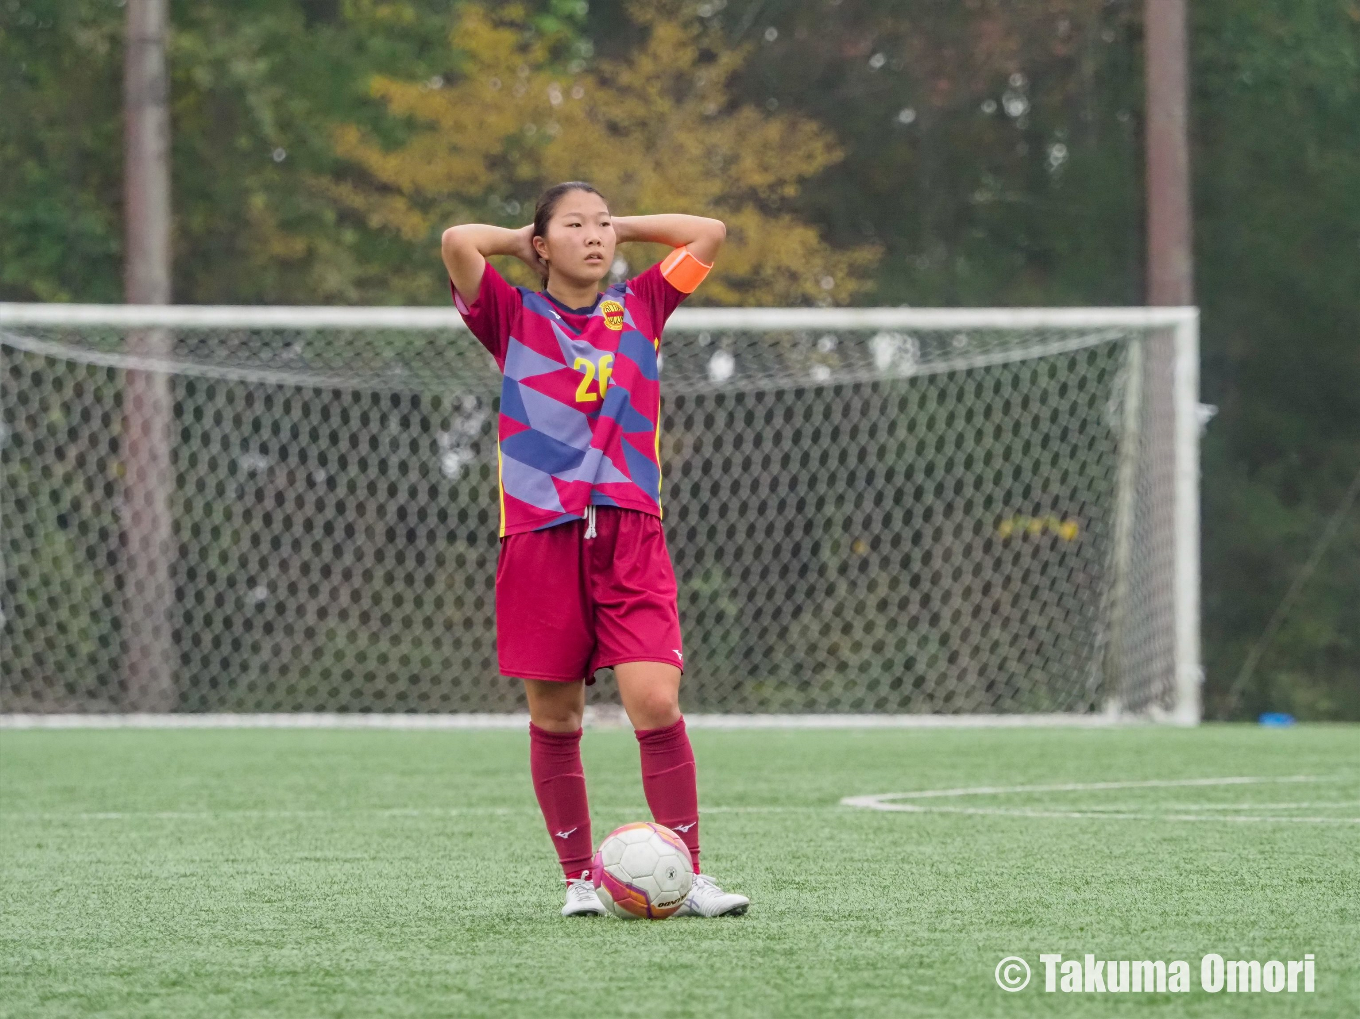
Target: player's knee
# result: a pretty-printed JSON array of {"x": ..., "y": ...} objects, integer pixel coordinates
[
  {"x": 656, "y": 708},
  {"x": 556, "y": 718},
  {"x": 557, "y": 707},
  {"x": 562, "y": 713}
]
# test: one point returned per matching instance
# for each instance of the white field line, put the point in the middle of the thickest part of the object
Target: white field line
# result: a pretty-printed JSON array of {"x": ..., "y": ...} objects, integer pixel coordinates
[
  {"x": 1135, "y": 816},
  {"x": 210, "y": 815},
  {"x": 1115, "y": 813},
  {"x": 893, "y": 801},
  {"x": 225, "y": 815},
  {"x": 1071, "y": 787},
  {"x": 882, "y": 802},
  {"x": 1301, "y": 805},
  {"x": 519, "y": 720},
  {"x": 299, "y": 720}
]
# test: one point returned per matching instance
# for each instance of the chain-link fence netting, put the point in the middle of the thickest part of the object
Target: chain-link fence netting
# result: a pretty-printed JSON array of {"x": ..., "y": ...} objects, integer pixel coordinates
[{"x": 304, "y": 519}]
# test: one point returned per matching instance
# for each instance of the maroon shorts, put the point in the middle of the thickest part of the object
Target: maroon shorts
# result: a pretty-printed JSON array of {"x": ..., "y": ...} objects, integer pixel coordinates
[{"x": 567, "y": 605}]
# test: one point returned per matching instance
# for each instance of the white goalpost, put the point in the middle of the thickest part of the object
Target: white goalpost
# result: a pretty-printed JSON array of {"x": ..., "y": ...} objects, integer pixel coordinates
[{"x": 878, "y": 516}]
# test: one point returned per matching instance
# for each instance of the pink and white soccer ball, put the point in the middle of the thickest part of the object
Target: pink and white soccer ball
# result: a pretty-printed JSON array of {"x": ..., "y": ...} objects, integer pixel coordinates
[{"x": 642, "y": 871}]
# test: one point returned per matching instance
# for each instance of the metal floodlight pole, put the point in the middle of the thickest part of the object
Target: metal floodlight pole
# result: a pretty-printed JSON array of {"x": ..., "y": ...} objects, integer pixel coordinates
[
  {"x": 148, "y": 479},
  {"x": 1173, "y": 367}
]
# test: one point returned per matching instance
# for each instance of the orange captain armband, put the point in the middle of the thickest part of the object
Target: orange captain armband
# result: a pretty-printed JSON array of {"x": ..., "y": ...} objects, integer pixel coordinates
[{"x": 683, "y": 271}]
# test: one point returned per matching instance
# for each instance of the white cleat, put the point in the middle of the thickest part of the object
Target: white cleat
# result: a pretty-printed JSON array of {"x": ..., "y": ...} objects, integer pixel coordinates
[
  {"x": 581, "y": 897},
  {"x": 707, "y": 899}
]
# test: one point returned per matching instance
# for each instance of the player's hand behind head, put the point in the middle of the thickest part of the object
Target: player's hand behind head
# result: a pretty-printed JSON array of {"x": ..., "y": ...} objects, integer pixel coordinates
[{"x": 526, "y": 252}]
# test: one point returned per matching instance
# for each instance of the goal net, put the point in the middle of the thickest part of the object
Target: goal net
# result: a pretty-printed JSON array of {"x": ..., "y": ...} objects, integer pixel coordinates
[{"x": 899, "y": 511}]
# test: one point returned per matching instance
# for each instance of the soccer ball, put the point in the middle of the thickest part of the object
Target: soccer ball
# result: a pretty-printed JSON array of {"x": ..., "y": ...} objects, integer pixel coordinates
[{"x": 642, "y": 871}]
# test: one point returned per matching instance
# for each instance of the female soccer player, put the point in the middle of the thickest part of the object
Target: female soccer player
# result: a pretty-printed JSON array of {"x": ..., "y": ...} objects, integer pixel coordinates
[{"x": 584, "y": 579}]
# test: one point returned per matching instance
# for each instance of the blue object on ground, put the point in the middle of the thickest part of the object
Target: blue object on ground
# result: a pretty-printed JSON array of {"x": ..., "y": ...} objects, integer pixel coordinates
[{"x": 1276, "y": 719}]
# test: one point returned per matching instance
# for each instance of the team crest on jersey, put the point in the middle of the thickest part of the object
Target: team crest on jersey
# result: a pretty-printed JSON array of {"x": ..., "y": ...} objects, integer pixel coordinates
[{"x": 613, "y": 315}]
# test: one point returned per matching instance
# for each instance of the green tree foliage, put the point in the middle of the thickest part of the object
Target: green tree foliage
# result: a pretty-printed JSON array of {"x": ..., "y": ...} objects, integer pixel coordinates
[
  {"x": 991, "y": 147},
  {"x": 255, "y": 87},
  {"x": 654, "y": 128},
  {"x": 60, "y": 150}
]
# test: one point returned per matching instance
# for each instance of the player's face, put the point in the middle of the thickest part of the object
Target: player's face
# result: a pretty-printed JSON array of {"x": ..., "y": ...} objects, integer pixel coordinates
[{"x": 580, "y": 238}]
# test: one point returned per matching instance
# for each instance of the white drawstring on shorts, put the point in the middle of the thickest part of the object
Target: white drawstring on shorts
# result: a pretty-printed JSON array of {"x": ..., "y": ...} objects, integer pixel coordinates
[{"x": 590, "y": 521}]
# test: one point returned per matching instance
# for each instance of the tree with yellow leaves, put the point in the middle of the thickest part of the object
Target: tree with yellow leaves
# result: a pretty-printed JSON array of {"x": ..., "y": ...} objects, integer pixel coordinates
[{"x": 655, "y": 132}]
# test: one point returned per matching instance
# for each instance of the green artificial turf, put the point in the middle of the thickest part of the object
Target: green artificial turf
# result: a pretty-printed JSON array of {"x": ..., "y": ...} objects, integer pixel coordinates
[{"x": 384, "y": 873}]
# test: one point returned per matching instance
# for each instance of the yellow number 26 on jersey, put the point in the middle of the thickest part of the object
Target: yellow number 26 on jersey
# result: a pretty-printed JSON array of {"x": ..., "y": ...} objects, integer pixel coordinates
[{"x": 583, "y": 393}]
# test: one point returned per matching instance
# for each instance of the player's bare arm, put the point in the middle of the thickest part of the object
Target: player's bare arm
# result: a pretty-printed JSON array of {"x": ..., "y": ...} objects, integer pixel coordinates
[
  {"x": 465, "y": 249},
  {"x": 700, "y": 234}
]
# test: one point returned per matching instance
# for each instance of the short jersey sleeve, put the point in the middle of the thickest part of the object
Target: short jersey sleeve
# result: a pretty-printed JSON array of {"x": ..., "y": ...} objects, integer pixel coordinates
[
  {"x": 492, "y": 315},
  {"x": 657, "y": 294}
]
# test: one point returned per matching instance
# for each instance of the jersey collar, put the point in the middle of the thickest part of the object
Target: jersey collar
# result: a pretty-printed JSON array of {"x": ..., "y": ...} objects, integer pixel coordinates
[{"x": 573, "y": 311}]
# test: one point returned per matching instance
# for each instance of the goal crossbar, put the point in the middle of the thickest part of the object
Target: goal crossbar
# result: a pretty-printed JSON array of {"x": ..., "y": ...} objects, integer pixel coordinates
[{"x": 684, "y": 320}]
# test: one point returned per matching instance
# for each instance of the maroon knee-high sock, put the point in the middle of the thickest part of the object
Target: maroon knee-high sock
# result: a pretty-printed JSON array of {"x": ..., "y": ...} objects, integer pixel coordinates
[
  {"x": 669, "y": 781},
  {"x": 560, "y": 785}
]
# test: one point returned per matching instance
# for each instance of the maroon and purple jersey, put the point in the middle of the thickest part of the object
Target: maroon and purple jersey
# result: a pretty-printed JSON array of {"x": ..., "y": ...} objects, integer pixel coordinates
[{"x": 580, "y": 416}]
